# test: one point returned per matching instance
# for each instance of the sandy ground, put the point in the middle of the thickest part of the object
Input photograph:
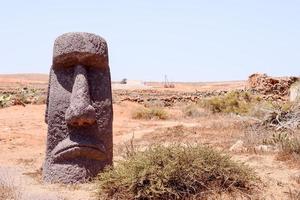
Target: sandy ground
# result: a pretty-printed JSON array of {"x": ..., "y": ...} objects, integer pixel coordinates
[
  {"x": 22, "y": 146},
  {"x": 23, "y": 141}
]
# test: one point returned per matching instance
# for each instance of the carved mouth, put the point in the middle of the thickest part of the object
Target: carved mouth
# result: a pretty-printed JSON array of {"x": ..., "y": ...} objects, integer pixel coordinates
[{"x": 72, "y": 151}]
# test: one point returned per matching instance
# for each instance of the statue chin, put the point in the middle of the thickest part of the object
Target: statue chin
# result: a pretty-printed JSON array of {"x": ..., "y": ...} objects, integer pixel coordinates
[{"x": 78, "y": 170}]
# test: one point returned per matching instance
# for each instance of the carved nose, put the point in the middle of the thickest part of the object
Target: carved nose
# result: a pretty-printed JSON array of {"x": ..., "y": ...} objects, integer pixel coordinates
[{"x": 80, "y": 112}]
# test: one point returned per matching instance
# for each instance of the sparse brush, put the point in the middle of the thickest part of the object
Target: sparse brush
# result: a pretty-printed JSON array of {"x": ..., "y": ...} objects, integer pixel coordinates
[
  {"x": 41, "y": 99},
  {"x": 289, "y": 145},
  {"x": 154, "y": 103},
  {"x": 232, "y": 102},
  {"x": 279, "y": 138},
  {"x": 150, "y": 113},
  {"x": 22, "y": 97},
  {"x": 5, "y": 100},
  {"x": 8, "y": 190},
  {"x": 193, "y": 111},
  {"x": 174, "y": 172},
  {"x": 294, "y": 194},
  {"x": 282, "y": 117}
]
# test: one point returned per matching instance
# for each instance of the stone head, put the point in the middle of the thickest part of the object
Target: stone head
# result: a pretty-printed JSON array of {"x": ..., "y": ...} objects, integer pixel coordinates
[{"x": 79, "y": 109}]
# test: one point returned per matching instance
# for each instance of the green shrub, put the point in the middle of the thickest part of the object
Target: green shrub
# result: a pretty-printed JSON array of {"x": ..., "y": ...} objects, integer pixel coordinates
[
  {"x": 174, "y": 172},
  {"x": 150, "y": 113}
]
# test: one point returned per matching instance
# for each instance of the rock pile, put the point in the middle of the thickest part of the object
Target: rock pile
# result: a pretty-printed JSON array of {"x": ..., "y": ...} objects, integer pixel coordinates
[
  {"x": 167, "y": 98},
  {"x": 266, "y": 85}
]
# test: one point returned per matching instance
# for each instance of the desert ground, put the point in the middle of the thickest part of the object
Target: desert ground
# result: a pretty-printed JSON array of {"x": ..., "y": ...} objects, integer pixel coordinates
[{"x": 23, "y": 138}]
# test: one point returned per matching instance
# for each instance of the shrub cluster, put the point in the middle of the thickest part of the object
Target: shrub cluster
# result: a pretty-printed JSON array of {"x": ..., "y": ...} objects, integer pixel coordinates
[
  {"x": 174, "y": 172},
  {"x": 232, "y": 102},
  {"x": 21, "y": 97}
]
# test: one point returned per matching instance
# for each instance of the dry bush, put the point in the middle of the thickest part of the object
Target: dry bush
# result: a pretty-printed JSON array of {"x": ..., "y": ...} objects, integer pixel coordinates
[
  {"x": 193, "y": 111},
  {"x": 5, "y": 100},
  {"x": 232, "y": 102},
  {"x": 41, "y": 99},
  {"x": 175, "y": 172},
  {"x": 285, "y": 117},
  {"x": 294, "y": 194},
  {"x": 22, "y": 97},
  {"x": 150, "y": 113},
  {"x": 8, "y": 191},
  {"x": 289, "y": 147},
  {"x": 277, "y": 124},
  {"x": 154, "y": 104}
]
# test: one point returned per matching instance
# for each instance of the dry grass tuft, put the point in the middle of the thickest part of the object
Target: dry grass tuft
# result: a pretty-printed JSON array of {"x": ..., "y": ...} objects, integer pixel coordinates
[
  {"x": 5, "y": 100},
  {"x": 193, "y": 111},
  {"x": 8, "y": 191},
  {"x": 294, "y": 194},
  {"x": 175, "y": 172},
  {"x": 289, "y": 148},
  {"x": 150, "y": 113}
]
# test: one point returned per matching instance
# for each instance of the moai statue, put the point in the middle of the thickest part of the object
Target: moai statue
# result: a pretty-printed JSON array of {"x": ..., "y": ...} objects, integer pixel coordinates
[{"x": 79, "y": 110}]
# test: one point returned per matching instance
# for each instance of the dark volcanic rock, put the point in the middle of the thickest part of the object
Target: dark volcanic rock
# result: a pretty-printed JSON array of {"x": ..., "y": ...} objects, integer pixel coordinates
[
  {"x": 79, "y": 110},
  {"x": 80, "y": 49}
]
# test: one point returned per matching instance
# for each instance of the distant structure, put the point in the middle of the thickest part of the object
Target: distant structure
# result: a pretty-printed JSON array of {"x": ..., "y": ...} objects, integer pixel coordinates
[
  {"x": 167, "y": 84},
  {"x": 79, "y": 110},
  {"x": 124, "y": 81}
]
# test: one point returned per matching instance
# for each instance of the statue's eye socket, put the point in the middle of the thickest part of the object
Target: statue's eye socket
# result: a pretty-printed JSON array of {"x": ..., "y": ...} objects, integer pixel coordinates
[{"x": 65, "y": 76}]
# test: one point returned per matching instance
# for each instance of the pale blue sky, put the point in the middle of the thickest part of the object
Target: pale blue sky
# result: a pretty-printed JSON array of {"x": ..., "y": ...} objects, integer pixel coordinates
[{"x": 187, "y": 40}]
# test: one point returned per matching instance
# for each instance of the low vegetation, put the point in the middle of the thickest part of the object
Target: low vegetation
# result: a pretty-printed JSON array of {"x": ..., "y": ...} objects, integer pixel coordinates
[
  {"x": 22, "y": 97},
  {"x": 232, "y": 102},
  {"x": 192, "y": 111},
  {"x": 5, "y": 100},
  {"x": 174, "y": 172},
  {"x": 150, "y": 113},
  {"x": 289, "y": 145},
  {"x": 7, "y": 190}
]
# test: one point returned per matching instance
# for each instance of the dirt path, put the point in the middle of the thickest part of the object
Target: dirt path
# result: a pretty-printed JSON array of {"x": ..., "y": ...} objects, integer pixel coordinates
[{"x": 22, "y": 146}]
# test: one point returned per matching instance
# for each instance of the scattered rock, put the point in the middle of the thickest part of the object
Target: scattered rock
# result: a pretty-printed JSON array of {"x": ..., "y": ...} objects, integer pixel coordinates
[
  {"x": 272, "y": 87},
  {"x": 266, "y": 148},
  {"x": 238, "y": 147}
]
